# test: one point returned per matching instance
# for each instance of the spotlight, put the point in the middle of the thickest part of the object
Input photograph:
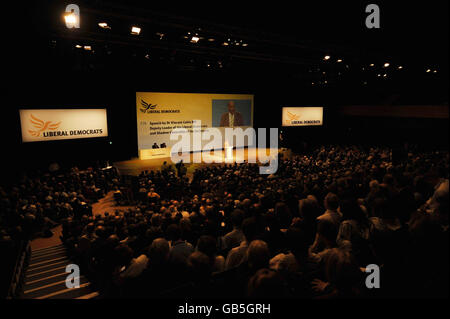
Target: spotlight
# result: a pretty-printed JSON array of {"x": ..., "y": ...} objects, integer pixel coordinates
[
  {"x": 429, "y": 70},
  {"x": 385, "y": 75},
  {"x": 104, "y": 25},
  {"x": 211, "y": 39},
  {"x": 135, "y": 30},
  {"x": 435, "y": 71},
  {"x": 372, "y": 65},
  {"x": 339, "y": 60},
  {"x": 71, "y": 19},
  {"x": 78, "y": 46},
  {"x": 386, "y": 65},
  {"x": 225, "y": 44},
  {"x": 195, "y": 39},
  {"x": 87, "y": 48},
  {"x": 327, "y": 57},
  {"x": 400, "y": 67},
  {"x": 244, "y": 44}
]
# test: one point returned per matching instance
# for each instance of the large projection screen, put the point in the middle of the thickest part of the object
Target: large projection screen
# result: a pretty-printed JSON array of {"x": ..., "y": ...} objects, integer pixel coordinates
[
  {"x": 302, "y": 116},
  {"x": 160, "y": 113},
  {"x": 40, "y": 125}
]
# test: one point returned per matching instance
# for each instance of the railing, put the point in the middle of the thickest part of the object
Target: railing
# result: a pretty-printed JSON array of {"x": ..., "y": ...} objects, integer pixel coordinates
[{"x": 18, "y": 274}]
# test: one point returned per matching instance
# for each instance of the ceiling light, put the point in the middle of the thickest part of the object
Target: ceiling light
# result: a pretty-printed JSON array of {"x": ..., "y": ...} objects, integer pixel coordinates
[
  {"x": 78, "y": 46},
  {"x": 211, "y": 39},
  {"x": 327, "y": 57},
  {"x": 339, "y": 60},
  {"x": 435, "y": 71},
  {"x": 71, "y": 19},
  {"x": 371, "y": 64},
  {"x": 386, "y": 65},
  {"x": 104, "y": 25},
  {"x": 428, "y": 71},
  {"x": 195, "y": 39},
  {"x": 244, "y": 44},
  {"x": 87, "y": 48},
  {"x": 135, "y": 30},
  {"x": 225, "y": 44},
  {"x": 400, "y": 67}
]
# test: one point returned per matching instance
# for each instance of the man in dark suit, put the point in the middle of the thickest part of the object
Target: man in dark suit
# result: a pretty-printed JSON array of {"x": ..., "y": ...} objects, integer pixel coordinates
[{"x": 231, "y": 118}]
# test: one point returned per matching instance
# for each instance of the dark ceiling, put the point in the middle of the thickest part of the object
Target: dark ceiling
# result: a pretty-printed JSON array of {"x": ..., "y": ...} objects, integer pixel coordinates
[{"x": 274, "y": 40}]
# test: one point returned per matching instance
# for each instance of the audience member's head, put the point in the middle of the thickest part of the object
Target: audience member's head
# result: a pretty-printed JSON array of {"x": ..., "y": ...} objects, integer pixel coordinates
[
  {"x": 258, "y": 255},
  {"x": 199, "y": 266},
  {"x": 331, "y": 201},
  {"x": 250, "y": 229},
  {"x": 341, "y": 270},
  {"x": 266, "y": 283},
  {"x": 158, "y": 252}
]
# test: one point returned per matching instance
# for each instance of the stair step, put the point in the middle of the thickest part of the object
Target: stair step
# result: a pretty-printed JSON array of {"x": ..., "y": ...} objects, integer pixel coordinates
[
  {"x": 48, "y": 266},
  {"x": 39, "y": 273},
  {"x": 90, "y": 296},
  {"x": 47, "y": 248},
  {"x": 32, "y": 283},
  {"x": 43, "y": 263},
  {"x": 45, "y": 253},
  {"x": 69, "y": 293},
  {"x": 51, "y": 288},
  {"x": 37, "y": 259}
]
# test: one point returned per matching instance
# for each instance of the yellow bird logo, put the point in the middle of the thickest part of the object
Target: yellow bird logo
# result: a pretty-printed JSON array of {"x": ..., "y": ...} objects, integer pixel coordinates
[
  {"x": 292, "y": 117},
  {"x": 41, "y": 126}
]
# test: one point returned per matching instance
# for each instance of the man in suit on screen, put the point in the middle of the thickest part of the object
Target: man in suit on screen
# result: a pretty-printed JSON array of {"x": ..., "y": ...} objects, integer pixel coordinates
[{"x": 231, "y": 118}]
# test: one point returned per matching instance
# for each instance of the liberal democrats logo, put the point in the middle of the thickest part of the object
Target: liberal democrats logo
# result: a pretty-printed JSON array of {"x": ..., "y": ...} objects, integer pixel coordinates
[
  {"x": 146, "y": 107},
  {"x": 150, "y": 108},
  {"x": 41, "y": 126},
  {"x": 292, "y": 118}
]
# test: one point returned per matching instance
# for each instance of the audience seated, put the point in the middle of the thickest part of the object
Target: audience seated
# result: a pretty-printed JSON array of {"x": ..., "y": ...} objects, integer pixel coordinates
[{"x": 307, "y": 231}]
